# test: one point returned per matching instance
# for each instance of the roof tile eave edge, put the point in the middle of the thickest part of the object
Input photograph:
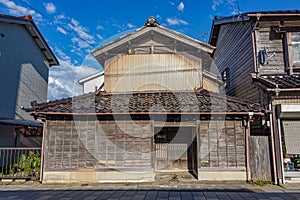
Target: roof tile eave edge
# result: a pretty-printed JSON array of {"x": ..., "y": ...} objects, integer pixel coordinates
[{"x": 147, "y": 113}]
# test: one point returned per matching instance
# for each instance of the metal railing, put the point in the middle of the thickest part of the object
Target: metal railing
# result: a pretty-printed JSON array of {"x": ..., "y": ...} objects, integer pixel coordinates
[{"x": 20, "y": 163}]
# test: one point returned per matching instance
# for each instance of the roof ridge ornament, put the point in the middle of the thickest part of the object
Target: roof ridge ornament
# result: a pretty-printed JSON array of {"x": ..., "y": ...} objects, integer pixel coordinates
[{"x": 151, "y": 22}]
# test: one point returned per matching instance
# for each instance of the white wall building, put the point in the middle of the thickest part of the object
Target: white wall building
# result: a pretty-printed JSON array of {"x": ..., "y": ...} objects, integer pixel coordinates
[{"x": 92, "y": 83}]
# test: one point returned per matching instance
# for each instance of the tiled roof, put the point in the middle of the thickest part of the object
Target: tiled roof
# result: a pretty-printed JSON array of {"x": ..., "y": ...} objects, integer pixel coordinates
[
  {"x": 248, "y": 16},
  {"x": 280, "y": 81},
  {"x": 154, "y": 102},
  {"x": 265, "y": 13},
  {"x": 26, "y": 18}
]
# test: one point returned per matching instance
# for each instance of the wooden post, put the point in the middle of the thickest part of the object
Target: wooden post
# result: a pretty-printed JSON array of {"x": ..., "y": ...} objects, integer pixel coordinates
[
  {"x": 281, "y": 153},
  {"x": 42, "y": 152},
  {"x": 247, "y": 152},
  {"x": 273, "y": 145}
]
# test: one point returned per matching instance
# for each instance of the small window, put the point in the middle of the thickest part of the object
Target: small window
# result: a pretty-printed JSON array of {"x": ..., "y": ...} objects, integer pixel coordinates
[
  {"x": 225, "y": 77},
  {"x": 295, "y": 50}
]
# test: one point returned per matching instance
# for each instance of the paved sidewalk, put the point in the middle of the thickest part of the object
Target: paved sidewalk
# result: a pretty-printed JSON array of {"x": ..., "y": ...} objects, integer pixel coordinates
[
  {"x": 143, "y": 194},
  {"x": 162, "y": 190}
]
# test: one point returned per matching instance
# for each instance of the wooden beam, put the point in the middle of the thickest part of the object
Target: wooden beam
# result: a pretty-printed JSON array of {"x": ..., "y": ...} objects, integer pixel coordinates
[{"x": 147, "y": 113}]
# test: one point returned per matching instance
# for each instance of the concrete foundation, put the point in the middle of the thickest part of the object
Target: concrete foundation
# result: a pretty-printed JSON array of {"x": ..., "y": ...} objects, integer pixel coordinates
[
  {"x": 222, "y": 175},
  {"x": 96, "y": 176}
]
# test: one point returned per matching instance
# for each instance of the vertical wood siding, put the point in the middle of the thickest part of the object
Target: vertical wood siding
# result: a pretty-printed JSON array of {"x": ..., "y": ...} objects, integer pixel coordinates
[
  {"x": 235, "y": 52},
  {"x": 102, "y": 145},
  {"x": 152, "y": 72},
  {"x": 222, "y": 144},
  {"x": 268, "y": 40},
  {"x": 260, "y": 158}
]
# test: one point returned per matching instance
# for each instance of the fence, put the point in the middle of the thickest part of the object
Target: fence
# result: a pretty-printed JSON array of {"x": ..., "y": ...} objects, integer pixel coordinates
[{"x": 20, "y": 163}]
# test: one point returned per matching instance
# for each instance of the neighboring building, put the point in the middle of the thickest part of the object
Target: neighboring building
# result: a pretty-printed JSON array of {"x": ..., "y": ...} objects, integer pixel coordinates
[
  {"x": 160, "y": 113},
  {"x": 93, "y": 82},
  {"x": 25, "y": 59},
  {"x": 258, "y": 56}
]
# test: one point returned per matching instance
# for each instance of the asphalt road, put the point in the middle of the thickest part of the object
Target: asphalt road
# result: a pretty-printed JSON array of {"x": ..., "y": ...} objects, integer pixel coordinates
[{"x": 171, "y": 194}]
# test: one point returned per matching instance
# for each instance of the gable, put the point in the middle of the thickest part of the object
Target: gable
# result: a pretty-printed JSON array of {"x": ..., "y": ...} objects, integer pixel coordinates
[
  {"x": 28, "y": 23},
  {"x": 151, "y": 39}
]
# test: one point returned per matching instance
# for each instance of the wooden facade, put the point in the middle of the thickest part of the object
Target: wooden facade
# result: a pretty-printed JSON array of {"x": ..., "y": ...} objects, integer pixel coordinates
[
  {"x": 91, "y": 145},
  {"x": 157, "y": 59},
  {"x": 259, "y": 52},
  {"x": 160, "y": 111},
  {"x": 157, "y": 72}
]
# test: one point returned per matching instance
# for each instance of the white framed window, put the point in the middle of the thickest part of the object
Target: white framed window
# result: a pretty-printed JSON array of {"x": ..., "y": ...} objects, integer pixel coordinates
[{"x": 294, "y": 49}]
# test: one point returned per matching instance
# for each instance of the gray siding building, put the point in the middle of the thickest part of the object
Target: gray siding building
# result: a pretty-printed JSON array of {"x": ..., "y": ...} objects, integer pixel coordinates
[
  {"x": 25, "y": 61},
  {"x": 25, "y": 58}
]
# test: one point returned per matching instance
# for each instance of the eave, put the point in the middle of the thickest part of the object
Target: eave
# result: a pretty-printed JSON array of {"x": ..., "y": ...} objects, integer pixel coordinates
[
  {"x": 143, "y": 113},
  {"x": 103, "y": 53},
  {"x": 36, "y": 35}
]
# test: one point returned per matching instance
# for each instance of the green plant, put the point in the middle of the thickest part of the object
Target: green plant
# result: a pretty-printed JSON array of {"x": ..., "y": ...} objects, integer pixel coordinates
[
  {"x": 259, "y": 181},
  {"x": 174, "y": 177},
  {"x": 284, "y": 151},
  {"x": 27, "y": 165}
]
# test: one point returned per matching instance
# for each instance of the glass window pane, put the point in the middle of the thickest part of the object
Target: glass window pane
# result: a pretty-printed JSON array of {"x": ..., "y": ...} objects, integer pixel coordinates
[{"x": 296, "y": 47}]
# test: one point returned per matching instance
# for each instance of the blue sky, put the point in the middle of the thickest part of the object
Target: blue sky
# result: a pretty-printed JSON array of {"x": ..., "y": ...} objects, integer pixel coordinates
[{"x": 74, "y": 28}]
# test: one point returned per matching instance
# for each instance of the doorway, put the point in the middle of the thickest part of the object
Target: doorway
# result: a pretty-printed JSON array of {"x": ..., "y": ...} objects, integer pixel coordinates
[{"x": 176, "y": 150}]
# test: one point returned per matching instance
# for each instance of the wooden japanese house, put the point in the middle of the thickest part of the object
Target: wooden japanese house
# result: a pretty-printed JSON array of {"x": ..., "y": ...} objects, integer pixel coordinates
[
  {"x": 160, "y": 112},
  {"x": 258, "y": 55}
]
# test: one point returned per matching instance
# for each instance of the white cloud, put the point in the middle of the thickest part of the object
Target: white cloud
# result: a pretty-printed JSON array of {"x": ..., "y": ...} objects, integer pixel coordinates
[
  {"x": 83, "y": 39},
  {"x": 216, "y": 3},
  {"x": 231, "y": 2},
  {"x": 99, "y": 27},
  {"x": 63, "y": 79},
  {"x": 62, "y": 55},
  {"x": 50, "y": 8},
  {"x": 129, "y": 25},
  {"x": 61, "y": 30},
  {"x": 61, "y": 17},
  {"x": 172, "y": 3},
  {"x": 75, "y": 22},
  {"x": 175, "y": 21},
  {"x": 99, "y": 37},
  {"x": 180, "y": 6},
  {"x": 235, "y": 12},
  {"x": 81, "y": 31},
  {"x": 18, "y": 10}
]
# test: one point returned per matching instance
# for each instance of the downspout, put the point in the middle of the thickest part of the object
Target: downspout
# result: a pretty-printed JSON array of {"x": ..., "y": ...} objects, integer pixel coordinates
[{"x": 272, "y": 143}]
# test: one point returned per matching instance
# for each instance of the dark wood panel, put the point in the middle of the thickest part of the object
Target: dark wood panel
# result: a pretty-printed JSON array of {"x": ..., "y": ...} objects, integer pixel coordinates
[
  {"x": 260, "y": 158},
  {"x": 98, "y": 144},
  {"x": 221, "y": 144},
  {"x": 235, "y": 51}
]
